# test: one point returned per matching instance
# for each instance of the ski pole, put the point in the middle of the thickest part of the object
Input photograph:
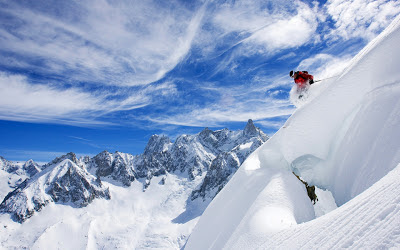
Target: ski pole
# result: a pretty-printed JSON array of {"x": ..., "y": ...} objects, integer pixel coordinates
[{"x": 325, "y": 78}]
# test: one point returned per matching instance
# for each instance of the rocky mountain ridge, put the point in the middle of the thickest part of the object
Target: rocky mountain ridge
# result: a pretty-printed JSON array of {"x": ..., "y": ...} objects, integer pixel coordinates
[
  {"x": 211, "y": 155},
  {"x": 29, "y": 168}
]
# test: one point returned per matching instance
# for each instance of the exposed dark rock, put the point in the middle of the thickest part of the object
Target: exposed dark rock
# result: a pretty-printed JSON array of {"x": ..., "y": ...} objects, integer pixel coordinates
[
  {"x": 64, "y": 181},
  {"x": 118, "y": 166},
  {"x": 219, "y": 174},
  {"x": 310, "y": 190},
  {"x": 103, "y": 163},
  {"x": 31, "y": 168},
  {"x": 157, "y": 144},
  {"x": 226, "y": 163}
]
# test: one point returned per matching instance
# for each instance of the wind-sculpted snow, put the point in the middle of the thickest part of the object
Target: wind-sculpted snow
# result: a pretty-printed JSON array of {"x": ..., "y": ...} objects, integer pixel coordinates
[
  {"x": 369, "y": 221},
  {"x": 344, "y": 139}
]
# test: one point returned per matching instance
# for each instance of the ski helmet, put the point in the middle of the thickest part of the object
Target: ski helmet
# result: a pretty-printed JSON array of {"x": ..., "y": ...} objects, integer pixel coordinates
[{"x": 291, "y": 73}]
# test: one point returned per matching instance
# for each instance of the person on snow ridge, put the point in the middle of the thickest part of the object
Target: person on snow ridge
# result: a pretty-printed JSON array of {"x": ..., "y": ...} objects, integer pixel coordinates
[{"x": 302, "y": 78}]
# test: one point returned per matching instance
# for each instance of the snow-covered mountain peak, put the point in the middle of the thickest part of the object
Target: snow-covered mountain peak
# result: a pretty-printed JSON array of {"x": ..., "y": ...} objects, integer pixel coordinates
[
  {"x": 250, "y": 128},
  {"x": 7, "y": 165},
  {"x": 62, "y": 181},
  {"x": 117, "y": 166},
  {"x": 31, "y": 168},
  {"x": 71, "y": 156},
  {"x": 252, "y": 131},
  {"x": 157, "y": 144}
]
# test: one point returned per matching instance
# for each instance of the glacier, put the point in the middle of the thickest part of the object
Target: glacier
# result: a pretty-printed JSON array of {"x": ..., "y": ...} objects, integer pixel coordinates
[{"x": 344, "y": 139}]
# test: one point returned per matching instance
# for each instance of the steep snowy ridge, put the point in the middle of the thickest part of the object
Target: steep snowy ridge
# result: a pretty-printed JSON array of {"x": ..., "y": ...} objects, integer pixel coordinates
[{"x": 346, "y": 140}]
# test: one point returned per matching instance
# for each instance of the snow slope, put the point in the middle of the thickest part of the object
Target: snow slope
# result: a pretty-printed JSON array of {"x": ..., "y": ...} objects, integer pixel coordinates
[{"x": 345, "y": 139}]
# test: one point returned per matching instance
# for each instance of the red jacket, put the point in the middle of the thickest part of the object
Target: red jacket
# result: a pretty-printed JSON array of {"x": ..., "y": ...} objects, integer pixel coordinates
[{"x": 302, "y": 79}]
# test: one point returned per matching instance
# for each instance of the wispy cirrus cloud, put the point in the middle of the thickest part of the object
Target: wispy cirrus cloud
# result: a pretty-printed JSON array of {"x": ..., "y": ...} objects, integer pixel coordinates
[
  {"x": 288, "y": 31},
  {"x": 18, "y": 98},
  {"x": 77, "y": 62},
  {"x": 325, "y": 65},
  {"x": 360, "y": 18},
  {"x": 125, "y": 43},
  {"x": 22, "y": 101},
  {"x": 216, "y": 116},
  {"x": 260, "y": 26},
  {"x": 260, "y": 100}
]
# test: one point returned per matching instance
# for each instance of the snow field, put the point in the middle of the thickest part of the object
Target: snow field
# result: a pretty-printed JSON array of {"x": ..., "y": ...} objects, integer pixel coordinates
[{"x": 130, "y": 220}]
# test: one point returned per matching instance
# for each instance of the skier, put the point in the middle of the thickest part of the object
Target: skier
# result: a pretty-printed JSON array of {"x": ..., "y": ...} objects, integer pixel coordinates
[{"x": 302, "y": 79}]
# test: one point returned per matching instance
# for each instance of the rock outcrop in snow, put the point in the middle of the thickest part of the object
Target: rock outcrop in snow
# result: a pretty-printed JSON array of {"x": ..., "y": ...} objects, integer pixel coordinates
[
  {"x": 118, "y": 166},
  {"x": 13, "y": 174},
  {"x": 29, "y": 168},
  {"x": 226, "y": 163}
]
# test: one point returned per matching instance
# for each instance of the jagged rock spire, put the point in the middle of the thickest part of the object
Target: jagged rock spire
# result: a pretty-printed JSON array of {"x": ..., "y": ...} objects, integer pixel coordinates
[
  {"x": 157, "y": 144},
  {"x": 250, "y": 129}
]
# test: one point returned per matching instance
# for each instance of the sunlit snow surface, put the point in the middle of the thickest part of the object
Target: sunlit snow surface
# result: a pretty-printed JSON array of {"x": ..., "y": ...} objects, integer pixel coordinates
[
  {"x": 133, "y": 219},
  {"x": 345, "y": 138}
]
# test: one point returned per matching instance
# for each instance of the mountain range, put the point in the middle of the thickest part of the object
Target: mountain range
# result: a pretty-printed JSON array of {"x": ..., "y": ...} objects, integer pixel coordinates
[{"x": 202, "y": 163}]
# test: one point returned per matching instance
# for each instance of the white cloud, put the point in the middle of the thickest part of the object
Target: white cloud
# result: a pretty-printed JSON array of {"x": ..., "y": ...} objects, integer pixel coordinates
[
  {"x": 275, "y": 125},
  {"x": 126, "y": 43},
  {"x": 235, "y": 104},
  {"x": 17, "y": 95},
  {"x": 288, "y": 32},
  {"x": 23, "y": 101},
  {"x": 270, "y": 25},
  {"x": 217, "y": 116},
  {"x": 324, "y": 65},
  {"x": 360, "y": 18}
]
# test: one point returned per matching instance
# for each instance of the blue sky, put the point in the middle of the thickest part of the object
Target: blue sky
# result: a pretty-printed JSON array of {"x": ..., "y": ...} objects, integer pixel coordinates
[{"x": 87, "y": 76}]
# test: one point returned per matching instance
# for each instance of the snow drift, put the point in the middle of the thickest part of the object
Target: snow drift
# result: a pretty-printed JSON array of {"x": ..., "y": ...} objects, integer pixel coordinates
[{"x": 346, "y": 140}]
